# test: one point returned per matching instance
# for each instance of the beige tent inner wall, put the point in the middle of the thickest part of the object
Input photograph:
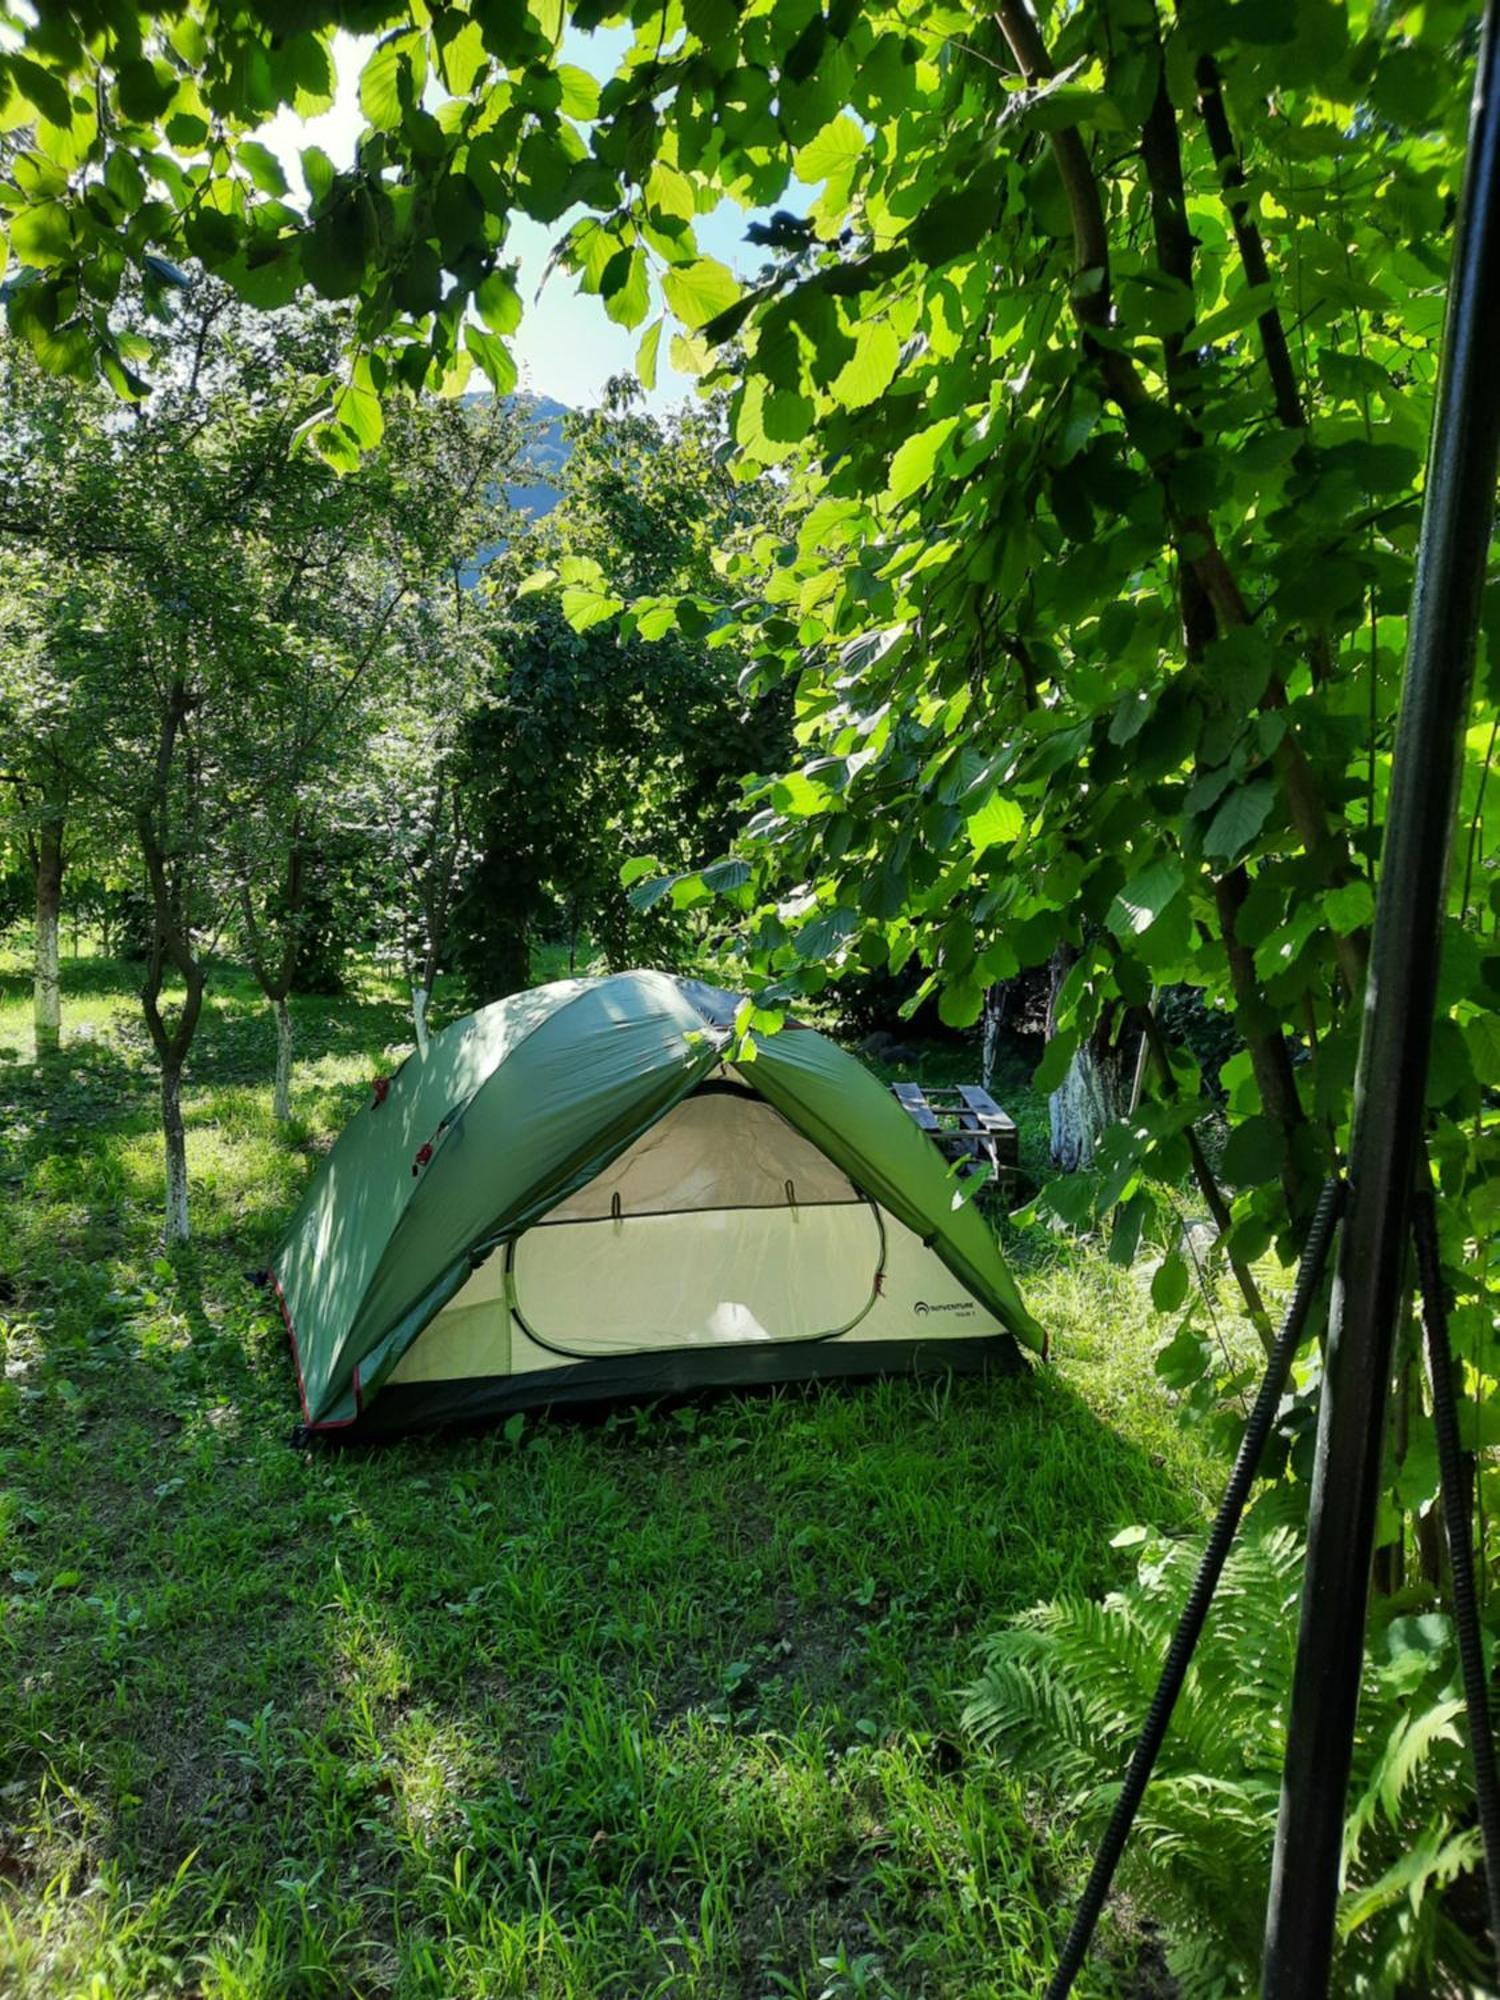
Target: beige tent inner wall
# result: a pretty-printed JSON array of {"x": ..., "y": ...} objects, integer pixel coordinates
[
  {"x": 717, "y": 1149},
  {"x": 690, "y": 1238}
]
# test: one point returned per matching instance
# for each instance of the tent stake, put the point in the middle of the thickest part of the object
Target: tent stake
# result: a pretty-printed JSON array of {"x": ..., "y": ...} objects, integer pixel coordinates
[{"x": 1391, "y": 1082}]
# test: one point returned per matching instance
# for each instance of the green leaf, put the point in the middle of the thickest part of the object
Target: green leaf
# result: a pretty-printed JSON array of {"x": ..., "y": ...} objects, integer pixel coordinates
[
  {"x": 871, "y": 369},
  {"x": 1350, "y": 908},
  {"x": 545, "y": 174},
  {"x": 997, "y": 822},
  {"x": 333, "y": 444},
  {"x": 494, "y": 357},
  {"x": 1056, "y": 1059},
  {"x": 42, "y": 235},
  {"x": 827, "y": 934},
  {"x": 829, "y": 153},
  {"x": 580, "y": 93},
  {"x": 319, "y": 172},
  {"x": 647, "y": 893},
  {"x": 724, "y": 876},
  {"x": 1169, "y": 1287},
  {"x": 1482, "y": 1034},
  {"x": 960, "y": 1004},
  {"x": 646, "y": 354},
  {"x": 627, "y": 288},
  {"x": 391, "y": 81},
  {"x": 584, "y": 606},
  {"x": 335, "y": 250},
  {"x": 951, "y": 226},
  {"x": 1184, "y": 1360},
  {"x": 124, "y": 179},
  {"x": 357, "y": 407},
  {"x": 306, "y": 64},
  {"x": 1125, "y": 1234},
  {"x": 144, "y": 90},
  {"x": 914, "y": 463},
  {"x": 499, "y": 302},
  {"x": 268, "y": 282},
  {"x": 670, "y": 200},
  {"x": 1138, "y": 905},
  {"x": 262, "y": 166},
  {"x": 462, "y": 55},
  {"x": 1239, "y": 819},
  {"x": 1254, "y": 1153},
  {"x": 697, "y": 292}
]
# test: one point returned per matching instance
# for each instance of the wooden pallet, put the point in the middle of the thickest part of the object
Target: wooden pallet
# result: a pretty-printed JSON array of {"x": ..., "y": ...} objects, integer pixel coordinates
[{"x": 965, "y": 1124}]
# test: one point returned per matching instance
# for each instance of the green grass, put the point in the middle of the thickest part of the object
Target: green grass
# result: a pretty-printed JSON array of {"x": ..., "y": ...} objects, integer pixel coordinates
[{"x": 663, "y": 1705}]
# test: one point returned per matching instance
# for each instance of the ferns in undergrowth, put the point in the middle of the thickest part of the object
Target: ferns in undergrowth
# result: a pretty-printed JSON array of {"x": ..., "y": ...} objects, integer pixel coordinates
[{"x": 1063, "y": 1693}]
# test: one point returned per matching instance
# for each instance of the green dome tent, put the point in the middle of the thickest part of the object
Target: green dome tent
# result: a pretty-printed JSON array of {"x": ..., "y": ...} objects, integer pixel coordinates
[{"x": 577, "y": 1193}]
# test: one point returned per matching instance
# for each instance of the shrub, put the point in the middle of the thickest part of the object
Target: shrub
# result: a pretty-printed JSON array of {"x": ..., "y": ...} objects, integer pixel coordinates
[{"x": 1062, "y": 1695}]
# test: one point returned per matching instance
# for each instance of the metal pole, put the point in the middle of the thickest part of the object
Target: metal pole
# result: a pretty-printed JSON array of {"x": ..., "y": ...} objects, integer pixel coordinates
[{"x": 1392, "y": 1076}]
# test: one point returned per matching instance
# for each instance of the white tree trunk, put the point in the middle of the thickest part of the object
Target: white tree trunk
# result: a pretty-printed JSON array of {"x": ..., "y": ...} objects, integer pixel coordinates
[
  {"x": 1084, "y": 1103},
  {"x": 47, "y": 979},
  {"x": 989, "y": 1041},
  {"x": 175, "y": 1140},
  {"x": 281, "y": 1095},
  {"x": 1092, "y": 1094},
  {"x": 420, "y": 996}
]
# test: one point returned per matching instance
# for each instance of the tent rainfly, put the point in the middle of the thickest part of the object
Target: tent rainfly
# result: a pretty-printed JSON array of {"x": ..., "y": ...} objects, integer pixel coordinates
[{"x": 577, "y": 1193}]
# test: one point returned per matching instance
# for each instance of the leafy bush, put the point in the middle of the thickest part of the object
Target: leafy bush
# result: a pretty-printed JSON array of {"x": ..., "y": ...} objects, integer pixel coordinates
[{"x": 1062, "y": 1695}]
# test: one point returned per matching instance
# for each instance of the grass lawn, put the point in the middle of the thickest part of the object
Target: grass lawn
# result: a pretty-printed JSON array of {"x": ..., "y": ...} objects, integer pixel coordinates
[{"x": 665, "y": 1704}]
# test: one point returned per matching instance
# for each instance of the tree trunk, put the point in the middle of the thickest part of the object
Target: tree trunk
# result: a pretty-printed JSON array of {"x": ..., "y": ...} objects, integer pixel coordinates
[
  {"x": 1093, "y": 1093},
  {"x": 175, "y": 1137},
  {"x": 420, "y": 996},
  {"x": 47, "y": 984},
  {"x": 168, "y": 878},
  {"x": 995, "y": 999},
  {"x": 281, "y": 1095},
  {"x": 1090, "y": 1097}
]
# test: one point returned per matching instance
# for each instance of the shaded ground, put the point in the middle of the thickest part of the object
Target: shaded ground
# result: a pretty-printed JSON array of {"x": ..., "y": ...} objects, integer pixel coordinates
[{"x": 659, "y": 1706}]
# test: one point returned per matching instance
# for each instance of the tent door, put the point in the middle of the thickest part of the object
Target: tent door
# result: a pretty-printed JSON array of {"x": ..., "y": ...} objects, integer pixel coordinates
[{"x": 625, "y": 1284}]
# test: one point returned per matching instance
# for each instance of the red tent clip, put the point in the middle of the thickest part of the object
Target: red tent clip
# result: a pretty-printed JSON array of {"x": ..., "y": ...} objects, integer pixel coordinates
[
  {"x": 424, "y": 1154},
  {"x": 382, "y": 1089}
]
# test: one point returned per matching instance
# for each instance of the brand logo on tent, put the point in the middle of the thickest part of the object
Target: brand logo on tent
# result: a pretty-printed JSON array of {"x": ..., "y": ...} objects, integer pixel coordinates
[{"x": 952, "y": 1306}]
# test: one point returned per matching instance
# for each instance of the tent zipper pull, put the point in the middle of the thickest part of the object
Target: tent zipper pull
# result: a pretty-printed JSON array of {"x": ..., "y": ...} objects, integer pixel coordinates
[
  {"x": 791, "y": 1198},
  {"x": 616, "y": 1212}
]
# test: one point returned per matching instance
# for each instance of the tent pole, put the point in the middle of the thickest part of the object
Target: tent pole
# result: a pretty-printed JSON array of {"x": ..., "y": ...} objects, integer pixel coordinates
[{"x": 1390, "y": 1088}]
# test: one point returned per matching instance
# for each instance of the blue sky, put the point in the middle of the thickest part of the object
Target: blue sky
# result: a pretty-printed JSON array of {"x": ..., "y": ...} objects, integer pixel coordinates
[{"x": 566, "y": 347}]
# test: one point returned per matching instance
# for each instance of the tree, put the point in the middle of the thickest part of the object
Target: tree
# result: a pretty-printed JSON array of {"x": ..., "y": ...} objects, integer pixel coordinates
[
  {"x": 44, "y": 749},
  {"x": 596, "y": 748},
  {"x": 240, "y": 603},
  {"x": 49, "y": 743},
  {"x": 417, "y": 810},
  {"x": 365, "y": 578}
]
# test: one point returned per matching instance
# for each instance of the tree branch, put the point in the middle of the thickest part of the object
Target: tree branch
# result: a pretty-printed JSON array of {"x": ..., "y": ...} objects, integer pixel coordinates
[
  {"x": 1208, "y": 1187},
  {"x": 1289, "y": 407}
]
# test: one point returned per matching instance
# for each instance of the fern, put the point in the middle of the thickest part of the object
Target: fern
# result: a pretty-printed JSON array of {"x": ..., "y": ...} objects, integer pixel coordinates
[{"x": 1061, "y": 1695}]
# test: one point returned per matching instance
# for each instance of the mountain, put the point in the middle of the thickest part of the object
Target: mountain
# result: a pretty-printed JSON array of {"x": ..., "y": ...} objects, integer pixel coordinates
[
  {"x": 539, "y": 489},
  {"x": 545, "y": 456}
]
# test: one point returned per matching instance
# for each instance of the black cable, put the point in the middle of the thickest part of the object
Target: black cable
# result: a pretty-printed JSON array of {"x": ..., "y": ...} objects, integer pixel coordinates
[
  {"x": 1200, "y": 1597},
  {"x": 1456, "y": 1512}
]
